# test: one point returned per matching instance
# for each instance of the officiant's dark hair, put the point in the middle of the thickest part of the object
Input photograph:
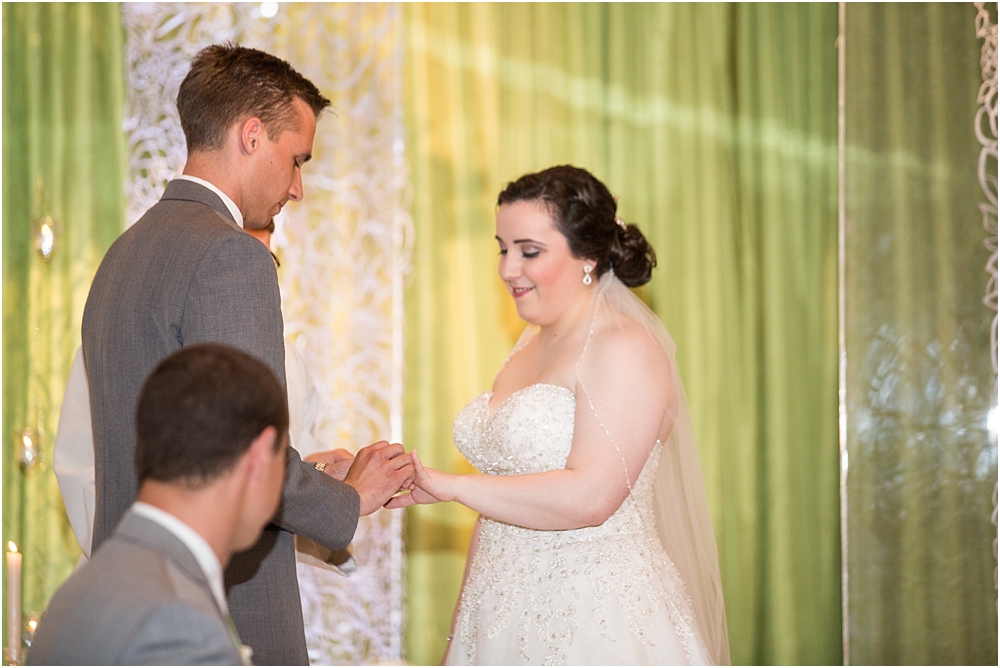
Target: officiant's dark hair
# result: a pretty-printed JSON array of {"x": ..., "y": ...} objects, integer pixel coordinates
[
  {"x": 199, "y": 411},
  {"x": 228, "y": 84},
  {"x": 586, "y": 213}
]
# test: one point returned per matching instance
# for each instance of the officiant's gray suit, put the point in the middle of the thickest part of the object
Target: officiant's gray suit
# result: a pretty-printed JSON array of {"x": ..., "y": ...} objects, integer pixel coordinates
[
  {"x": 186, "y": 273},
  {"x": 142, "y": 600}
]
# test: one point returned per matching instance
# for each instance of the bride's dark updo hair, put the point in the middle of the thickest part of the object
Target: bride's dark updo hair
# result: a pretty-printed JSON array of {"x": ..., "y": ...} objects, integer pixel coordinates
[{"x": 585, "y": 213}]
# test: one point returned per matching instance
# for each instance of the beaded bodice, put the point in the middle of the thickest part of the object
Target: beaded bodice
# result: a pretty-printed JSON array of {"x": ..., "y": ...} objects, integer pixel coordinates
[
  {"x": 532, "y": 432},
  {"x": 561, "y": 577}
]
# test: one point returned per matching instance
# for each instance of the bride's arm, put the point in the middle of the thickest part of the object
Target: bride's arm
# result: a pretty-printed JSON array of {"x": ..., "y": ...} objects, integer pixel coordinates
[{"x": 626, "y": 378}]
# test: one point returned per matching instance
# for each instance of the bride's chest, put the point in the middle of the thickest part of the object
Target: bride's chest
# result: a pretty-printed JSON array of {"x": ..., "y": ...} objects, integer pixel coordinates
[{"x": 530, "y": 432}]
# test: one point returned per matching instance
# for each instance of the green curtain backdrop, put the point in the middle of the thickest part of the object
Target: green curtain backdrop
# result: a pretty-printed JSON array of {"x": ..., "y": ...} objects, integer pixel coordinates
[
  {"x": 64, "y": 156},
  {"x": 922, "y": 465},
  {"x": 717, "y": 126}
]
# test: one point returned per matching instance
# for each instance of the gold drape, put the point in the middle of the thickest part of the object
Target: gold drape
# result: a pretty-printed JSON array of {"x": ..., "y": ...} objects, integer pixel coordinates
[{"x": 716, "y": 125}]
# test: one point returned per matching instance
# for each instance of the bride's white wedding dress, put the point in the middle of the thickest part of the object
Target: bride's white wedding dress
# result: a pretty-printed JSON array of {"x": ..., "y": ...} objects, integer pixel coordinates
[{"x": 598, "y": 595}]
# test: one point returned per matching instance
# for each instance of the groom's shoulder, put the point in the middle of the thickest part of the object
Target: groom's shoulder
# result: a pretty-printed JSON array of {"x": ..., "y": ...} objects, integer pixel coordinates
[
  {"x": 174, "y": 222},
  {"x": 184, "y": 216}
]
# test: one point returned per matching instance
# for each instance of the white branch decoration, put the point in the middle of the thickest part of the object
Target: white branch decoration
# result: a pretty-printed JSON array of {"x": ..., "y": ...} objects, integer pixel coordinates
[{"x": 986, "y": 133}]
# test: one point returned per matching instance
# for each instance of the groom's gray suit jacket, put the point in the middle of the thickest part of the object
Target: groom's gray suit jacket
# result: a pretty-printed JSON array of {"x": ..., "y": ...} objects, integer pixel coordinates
[
  {"x": 186, "y": 273},
  {"x": 142, "y": 600}
]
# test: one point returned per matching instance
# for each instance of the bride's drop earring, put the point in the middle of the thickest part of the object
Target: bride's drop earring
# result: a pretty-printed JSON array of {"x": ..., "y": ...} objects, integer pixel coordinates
[{"x": 587, "y": 280}]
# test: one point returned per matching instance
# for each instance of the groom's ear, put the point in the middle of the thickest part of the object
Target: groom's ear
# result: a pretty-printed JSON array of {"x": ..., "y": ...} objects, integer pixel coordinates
[{"x": 251, "y": 134}]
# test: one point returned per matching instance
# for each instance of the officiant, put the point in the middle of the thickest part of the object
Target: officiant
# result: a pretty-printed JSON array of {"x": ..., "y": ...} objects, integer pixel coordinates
[{"x": 212, "y": 426}]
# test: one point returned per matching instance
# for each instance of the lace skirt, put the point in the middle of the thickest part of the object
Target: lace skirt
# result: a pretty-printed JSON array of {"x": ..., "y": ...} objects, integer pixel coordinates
[{"x": 597, "y": 595}]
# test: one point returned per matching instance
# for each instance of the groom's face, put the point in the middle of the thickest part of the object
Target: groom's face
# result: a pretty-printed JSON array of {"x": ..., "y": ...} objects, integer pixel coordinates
[{"x": 276, "y": 175}]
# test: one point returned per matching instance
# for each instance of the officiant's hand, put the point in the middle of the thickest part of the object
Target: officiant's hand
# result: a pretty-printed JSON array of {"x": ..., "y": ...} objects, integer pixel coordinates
[
  {"x": 428, "y": 487},
  {"x": 338, "y": 462},
  {"x": 379, "y": 471}
]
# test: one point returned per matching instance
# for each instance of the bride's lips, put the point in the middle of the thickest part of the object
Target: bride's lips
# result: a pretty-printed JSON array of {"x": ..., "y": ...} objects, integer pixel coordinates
[{"x": 519, "y": 292}]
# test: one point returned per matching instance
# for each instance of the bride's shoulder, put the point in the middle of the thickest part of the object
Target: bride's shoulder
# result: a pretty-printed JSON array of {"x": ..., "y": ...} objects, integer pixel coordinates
[{"x": 624, "y": 344}]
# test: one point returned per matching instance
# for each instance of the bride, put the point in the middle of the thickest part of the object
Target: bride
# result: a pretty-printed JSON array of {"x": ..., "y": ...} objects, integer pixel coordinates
[{"x": 594, "y": 544}]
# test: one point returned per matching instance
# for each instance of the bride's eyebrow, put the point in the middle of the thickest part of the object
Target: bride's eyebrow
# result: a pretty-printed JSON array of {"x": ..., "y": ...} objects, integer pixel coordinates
[{"x": 521, "y": 241}]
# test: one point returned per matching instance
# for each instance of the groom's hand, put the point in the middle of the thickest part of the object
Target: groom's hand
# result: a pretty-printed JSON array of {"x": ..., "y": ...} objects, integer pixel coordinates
[
  {"x": 379, "y": 471},
  {"x": 338, "y": 462}
]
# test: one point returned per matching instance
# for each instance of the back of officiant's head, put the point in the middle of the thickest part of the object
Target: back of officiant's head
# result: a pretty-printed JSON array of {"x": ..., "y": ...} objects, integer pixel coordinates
[
  {"x": 200, "y": 410},
  {"x": 210, "y": 416}
]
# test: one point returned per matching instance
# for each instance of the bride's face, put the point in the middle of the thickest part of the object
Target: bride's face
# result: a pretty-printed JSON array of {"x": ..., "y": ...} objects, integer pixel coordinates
[{"x": 536, "y": 264}]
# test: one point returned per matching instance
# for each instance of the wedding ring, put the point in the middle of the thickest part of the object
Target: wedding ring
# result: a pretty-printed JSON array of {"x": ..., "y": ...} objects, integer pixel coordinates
[{"x": 320, "y": 466}]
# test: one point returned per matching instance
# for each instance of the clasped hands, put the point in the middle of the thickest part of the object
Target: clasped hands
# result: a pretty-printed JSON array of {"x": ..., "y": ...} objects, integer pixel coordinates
[{"x": 385, "y": 475}]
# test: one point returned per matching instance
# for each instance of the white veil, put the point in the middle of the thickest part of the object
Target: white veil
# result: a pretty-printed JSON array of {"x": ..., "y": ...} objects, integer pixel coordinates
[{"x": 683, "y": 522}]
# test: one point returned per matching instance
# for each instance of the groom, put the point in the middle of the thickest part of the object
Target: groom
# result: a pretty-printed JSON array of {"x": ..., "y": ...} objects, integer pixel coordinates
[{"x": 186, "y": 273}]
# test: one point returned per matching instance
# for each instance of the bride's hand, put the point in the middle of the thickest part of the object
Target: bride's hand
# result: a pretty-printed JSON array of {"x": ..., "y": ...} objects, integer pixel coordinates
[{"x": 428, "y": 487}]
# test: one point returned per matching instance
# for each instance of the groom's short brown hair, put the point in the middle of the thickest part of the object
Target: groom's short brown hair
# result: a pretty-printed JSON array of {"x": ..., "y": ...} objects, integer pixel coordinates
[{"x": 228, "y": 84}]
